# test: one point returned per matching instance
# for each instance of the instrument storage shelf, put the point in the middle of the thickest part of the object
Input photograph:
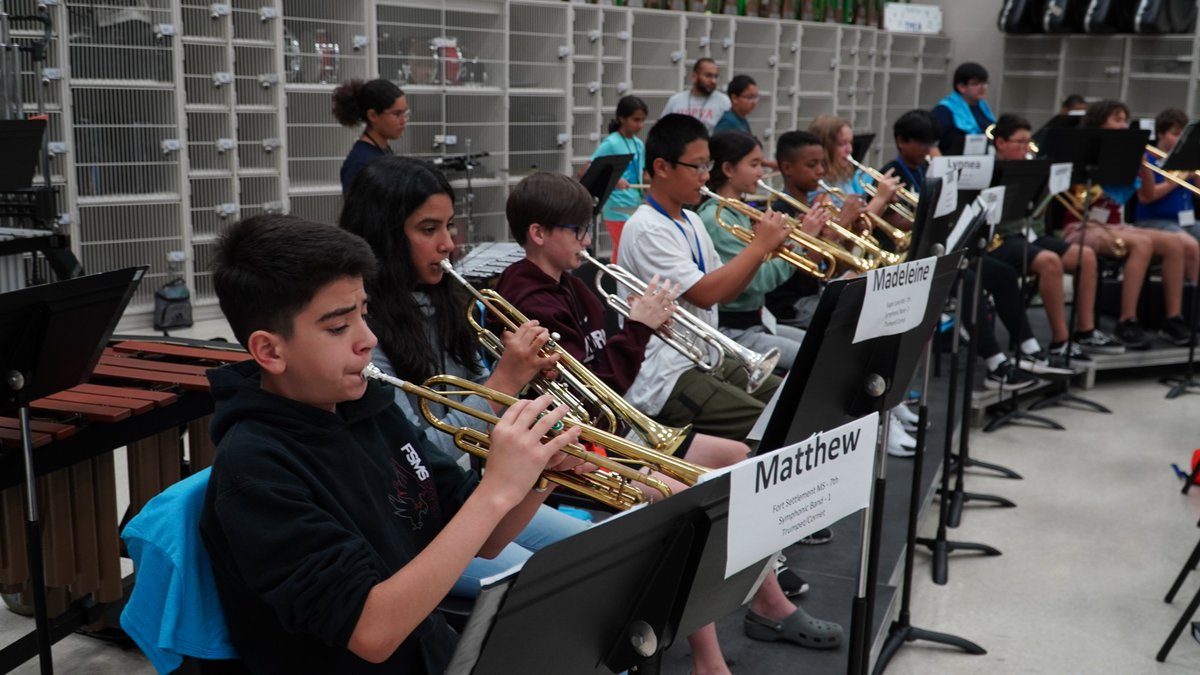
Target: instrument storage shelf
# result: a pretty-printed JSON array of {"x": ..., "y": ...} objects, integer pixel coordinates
[{"x": 191, "y": 115}]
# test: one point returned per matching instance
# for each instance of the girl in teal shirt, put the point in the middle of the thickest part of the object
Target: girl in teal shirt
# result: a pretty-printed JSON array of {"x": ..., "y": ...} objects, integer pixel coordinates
[{"x": 623, "y": 139}]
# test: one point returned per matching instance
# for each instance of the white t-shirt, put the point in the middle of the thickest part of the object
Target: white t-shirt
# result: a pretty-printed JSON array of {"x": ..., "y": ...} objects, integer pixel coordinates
[
  {"x": 651, "y": 243},
  {"x": 707, "y": 109}
]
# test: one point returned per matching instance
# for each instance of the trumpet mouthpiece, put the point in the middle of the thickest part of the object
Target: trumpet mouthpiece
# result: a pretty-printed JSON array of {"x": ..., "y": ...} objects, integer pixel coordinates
[
  {"x": 708, "y": 193},
  {"x": 446, "y": 266},
  {"x": 371, "y": 372}
]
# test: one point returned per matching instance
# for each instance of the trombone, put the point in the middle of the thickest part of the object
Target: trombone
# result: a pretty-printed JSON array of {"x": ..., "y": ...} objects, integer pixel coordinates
[
  {"x": 1073, "y": 201},
  {"x": 878, "y": 256},
  {"x": 1172, "y": 176},
  {"x": 611, "y": 484},
  {"x": 688, "y": 334},
  {"x": 907, "y": 210},
  {"x": 899, "y": 237},
  {"x": 579, "y": 386}
]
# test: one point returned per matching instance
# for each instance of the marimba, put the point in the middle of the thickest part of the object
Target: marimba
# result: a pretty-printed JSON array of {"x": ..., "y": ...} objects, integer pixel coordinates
[{"x": 141, "y": 394}]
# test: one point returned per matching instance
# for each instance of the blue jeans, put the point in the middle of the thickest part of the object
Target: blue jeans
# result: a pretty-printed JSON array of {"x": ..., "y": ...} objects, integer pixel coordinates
[
  {"x": 546, "y": 527},
  {"x": 1169, "y": 226}
]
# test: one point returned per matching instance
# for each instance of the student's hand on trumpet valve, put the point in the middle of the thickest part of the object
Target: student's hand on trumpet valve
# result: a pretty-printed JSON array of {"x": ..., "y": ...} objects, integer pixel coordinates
[
  {"x": 524, "y": 443},
  {"x": 656, "y": 306},
  {"x": 887, "y": 186},
  {"x": 522, "y": 358},
  {"x": 771, "y": 231}
]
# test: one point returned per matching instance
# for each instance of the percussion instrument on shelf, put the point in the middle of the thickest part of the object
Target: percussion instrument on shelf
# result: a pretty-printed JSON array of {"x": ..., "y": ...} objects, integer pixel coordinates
[{"x": 139, "y": 395}]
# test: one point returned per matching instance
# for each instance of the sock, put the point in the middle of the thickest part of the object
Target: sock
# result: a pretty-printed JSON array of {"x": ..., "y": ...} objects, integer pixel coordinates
[
  {"x": 1056, "y": 345},
  {"x": 994, "y": 361},
  {"x": 1030, "y": 346}
]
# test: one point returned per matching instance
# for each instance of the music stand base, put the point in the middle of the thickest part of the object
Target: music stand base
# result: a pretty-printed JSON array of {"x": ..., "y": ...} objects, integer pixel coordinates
[
  {"x": 1180, "y": 385},
  {"x": 1065, "y": 397},
  {"x": 959, "y": 498},
  {"x": 1004, "y": 471},
  {"x": 941, "y": 550},
  {"x": 1017, "y": 415},
  {"x": 899, "y": 634}
]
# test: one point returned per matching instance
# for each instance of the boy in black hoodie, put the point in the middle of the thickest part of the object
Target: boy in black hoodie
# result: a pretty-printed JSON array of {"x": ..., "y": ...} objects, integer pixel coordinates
[{"x": 333, "y": 533}]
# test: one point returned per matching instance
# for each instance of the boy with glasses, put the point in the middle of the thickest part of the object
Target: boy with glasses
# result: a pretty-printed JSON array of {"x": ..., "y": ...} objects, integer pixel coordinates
[{"x": 964, "y": 111}]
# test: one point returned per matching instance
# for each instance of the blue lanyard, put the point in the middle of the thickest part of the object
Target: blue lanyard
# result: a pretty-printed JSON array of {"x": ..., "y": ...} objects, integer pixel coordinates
[
  {"x": 699, "y": 258},
  {"x": 910, "y": 176}
]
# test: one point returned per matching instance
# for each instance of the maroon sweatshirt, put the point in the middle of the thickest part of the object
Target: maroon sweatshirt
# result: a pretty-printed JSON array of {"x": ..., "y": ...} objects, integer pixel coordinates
[{"x": 568, "y": 307}]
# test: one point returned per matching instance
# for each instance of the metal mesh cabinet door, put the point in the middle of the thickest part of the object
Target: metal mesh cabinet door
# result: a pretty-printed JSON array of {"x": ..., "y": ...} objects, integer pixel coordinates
[
  {"x": 587, "y": 113},
  {"x": 540, "y": 45},
  {"x": 325, "y": 44},
  {"x": 208, "y": 81},
  {"x": 659, "y": 61},
  {"x": 820, "y": 63},
  {"x": 864, "y": 96},
  {"x": 127, "y": 133},
  {"x": 1032, "y": 71},
  {"x": 847, "y": 84},
  {"x": 1160, "y": 71},
  {"x": 756, "y": 53},
  {"x": 900, "y": 62},
  {"x": 787, "y": 99},
  {"x": 935, "y": 70},
  {"x": 406, "y": 41}
]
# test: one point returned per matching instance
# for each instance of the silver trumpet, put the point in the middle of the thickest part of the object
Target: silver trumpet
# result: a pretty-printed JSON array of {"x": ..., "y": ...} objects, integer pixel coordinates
[{"x": 688, "y": 334}]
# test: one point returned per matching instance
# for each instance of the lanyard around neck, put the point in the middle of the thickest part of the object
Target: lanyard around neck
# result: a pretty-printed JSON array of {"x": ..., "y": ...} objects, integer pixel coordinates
[{"x": 699, "y": 257}]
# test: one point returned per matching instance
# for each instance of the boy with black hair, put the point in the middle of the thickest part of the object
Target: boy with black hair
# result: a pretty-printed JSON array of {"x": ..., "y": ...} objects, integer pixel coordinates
[
  {"x": 1048, "y": 258},
  {"x": 915, "y": 136},
  {"x": 743, "y": 99},
  {"x": 663, "y": 238},
  {"x": 333, "y": 533},
  {"x": 964, "y": 110}
]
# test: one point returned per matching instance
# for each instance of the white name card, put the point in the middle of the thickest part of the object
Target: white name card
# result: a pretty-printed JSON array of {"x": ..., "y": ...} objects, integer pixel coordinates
[
  {"x": 974, "y": 172},
  {"x": 895, "y": 299},
  {"x": 948, "y": 199},
  {"x": 781, "y": 497},
  {"x": 993, "y": 200},
  {"x": 906, "y": 18},
  {"x": 975, "y": 144},
  {"x": 1060, "y": 177}
]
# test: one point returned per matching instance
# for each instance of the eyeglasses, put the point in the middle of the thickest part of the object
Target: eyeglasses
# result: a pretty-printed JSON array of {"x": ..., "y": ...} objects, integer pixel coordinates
[
  {"x": 400, "y": 114},
  {"x": 747, "y": 98},
  {"x": 701, "y": 169},
  {"x": 581, "y": 231}
]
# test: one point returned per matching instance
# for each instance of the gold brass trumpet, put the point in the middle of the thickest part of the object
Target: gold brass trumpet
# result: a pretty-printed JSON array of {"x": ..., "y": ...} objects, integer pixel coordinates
[
  {"x": 1180, "y": 178},
  {"x": 687, "y": 334},
  {"x": 873, "y": 256},
  {"x": 611, "y": 484},
  {"x": 798, "y": 237},
  {"x": 579, "y": 386},
  {"x": 899, "y": 237},
  {"x": 907, "y": 210}
]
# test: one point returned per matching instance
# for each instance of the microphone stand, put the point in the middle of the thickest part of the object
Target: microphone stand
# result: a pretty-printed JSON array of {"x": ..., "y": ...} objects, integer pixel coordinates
[
  {"x": 902, "y": 630},
  {"x": 940, "y": 546}
]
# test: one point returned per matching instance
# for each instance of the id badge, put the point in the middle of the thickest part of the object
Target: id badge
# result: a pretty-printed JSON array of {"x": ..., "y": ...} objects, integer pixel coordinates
[
  {"x": 1187, "y": 218},
  {"x": 1099, "y": 214}
]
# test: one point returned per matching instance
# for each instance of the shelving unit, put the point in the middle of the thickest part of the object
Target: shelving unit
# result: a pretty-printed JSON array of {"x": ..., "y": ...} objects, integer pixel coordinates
[
  {"x": 1148, "y": 73},
  {"x": 186, "y": 116}
]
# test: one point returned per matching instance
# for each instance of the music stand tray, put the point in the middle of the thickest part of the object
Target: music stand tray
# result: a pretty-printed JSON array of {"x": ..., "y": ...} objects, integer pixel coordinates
[
  {"x": 655, "y": 574},
  {"x": 51, "y": 337},
  {"x": 602, "y": 177},
  {"x": 1185, "y": 156},
  {"x": 22, "y": 140}
]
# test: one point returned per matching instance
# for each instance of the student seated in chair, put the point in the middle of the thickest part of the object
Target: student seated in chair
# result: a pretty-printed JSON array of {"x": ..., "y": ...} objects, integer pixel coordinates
[{"x": 333, "y": 531}]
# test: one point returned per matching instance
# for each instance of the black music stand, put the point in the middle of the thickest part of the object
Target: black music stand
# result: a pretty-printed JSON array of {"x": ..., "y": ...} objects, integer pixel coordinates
[
  {"x": 860, "y": 145},
  {"x": 1185, "y": 156},
  {"x": 51, "y": 338},
  {"x": 646, "y": 577},
  {"x": 1055, "y": 123},
  {"x": 22, "y": 140},
  {"x": 1098, "y": 156},
  {"x": 601, "y": 179},
  {"x": 1192, "y": 561},
  {"x": 1023, "y": 180},
  {"x": 850, "y": 380}
]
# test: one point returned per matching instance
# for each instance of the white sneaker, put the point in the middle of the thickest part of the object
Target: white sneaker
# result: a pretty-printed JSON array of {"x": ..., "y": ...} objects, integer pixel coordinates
[
  {"x": 906, "y": 414},
  {"x": 895, "y": 449},
  {"x": 897, "y": 434}
]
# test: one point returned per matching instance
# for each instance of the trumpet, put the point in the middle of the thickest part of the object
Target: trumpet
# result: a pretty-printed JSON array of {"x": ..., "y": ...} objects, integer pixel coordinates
[
  {"x": 899, "y": 237},
  {"x": 1180, "y": 178},
  {"x": 612, "y": 484},
  {"x": 687, "y": 334},
  {"x": 580, "y": 387},
  {"x": 870, "y": 247},
  {"x": 906, "y": 211},
  {"x": 990, "y": 132},
  {"x": 799, "y": 238}
]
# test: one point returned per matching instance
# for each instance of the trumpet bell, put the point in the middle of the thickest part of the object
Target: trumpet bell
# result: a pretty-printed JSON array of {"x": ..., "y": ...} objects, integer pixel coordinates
[{"x": 763, "y": 367}]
